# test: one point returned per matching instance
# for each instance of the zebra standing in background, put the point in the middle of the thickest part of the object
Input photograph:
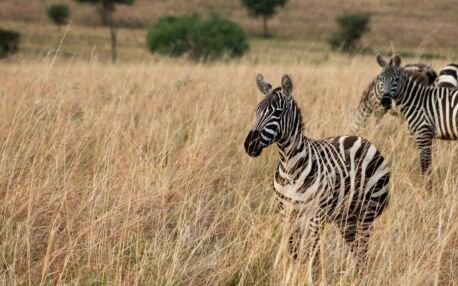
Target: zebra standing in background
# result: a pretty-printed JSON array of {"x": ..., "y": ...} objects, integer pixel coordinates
[
  {"x": 448, "y": 76},
  {"x": 430, "y": 112},
  {"x": 370, "y": 103},
  {"x": 343, "y": 179}
]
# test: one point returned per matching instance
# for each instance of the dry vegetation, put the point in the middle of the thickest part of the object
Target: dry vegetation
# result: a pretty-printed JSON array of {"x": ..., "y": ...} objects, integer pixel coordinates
[{"x": 135, "y": 174}]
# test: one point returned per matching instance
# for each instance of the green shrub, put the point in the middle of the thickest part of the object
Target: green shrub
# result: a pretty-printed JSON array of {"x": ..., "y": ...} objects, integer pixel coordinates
[
  {"x": 215, "y": 37},
  {"x": 59, "y": 13},
  {"x": 9, "y": 42},
  {"x": 199, "y": 38},
  {"x": 351, "y": 28},
  {"x": 171, "y": 35}
]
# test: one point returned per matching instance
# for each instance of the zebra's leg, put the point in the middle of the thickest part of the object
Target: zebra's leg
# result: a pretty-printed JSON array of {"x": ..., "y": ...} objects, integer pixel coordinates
[
  {"x": 304, "y": 238},
  {"x": 424, "y": 143},
  {"x": 312, "y": 250},
  {"x": 363, "y": 233},
  {"x": 304, "y": 245},
  {"x": 348, "y": 230}
]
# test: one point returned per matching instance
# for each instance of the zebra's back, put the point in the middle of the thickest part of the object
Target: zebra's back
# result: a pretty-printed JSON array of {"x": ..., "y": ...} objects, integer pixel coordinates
[{"x": 448, "y": 76}]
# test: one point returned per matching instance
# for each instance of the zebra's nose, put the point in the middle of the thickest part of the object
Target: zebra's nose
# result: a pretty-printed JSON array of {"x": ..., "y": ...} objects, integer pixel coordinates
[
  {"x": 386, "y": 100},
  {"x": 251, "y": 142}
]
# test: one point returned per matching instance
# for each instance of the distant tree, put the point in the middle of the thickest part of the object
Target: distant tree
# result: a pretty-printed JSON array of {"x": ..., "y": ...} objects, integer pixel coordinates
[
  {"x": 263, "y": 8},
  {"x": 107, "y": 8},
  {"x": 352, "y": 26},
  {"x": 59, "y": 13}
]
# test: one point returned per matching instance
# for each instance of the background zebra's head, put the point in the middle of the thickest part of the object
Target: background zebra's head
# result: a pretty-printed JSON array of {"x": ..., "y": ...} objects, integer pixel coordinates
[
  {"x": 388, "y": 80},
  {"x": 267, "y": 128},
  {"x": 369, "y": 103}
]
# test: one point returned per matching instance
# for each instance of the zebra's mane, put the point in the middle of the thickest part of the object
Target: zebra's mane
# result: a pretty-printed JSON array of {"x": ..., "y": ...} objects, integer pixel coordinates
[{"x": 299, "y": 113}]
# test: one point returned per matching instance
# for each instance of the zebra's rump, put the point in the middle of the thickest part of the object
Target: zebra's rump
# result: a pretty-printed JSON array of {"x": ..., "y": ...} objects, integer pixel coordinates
[
  {"x": 365, "y": 189},
  {"x": 439, "y": 111}
]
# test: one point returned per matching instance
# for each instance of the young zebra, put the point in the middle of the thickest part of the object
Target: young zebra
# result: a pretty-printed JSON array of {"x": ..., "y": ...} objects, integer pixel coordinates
[
  {"x": 430, "y": 112},
  {"x": 342, "y": 179},
  {"x": 370, "y": 103},
  {"x": 448, "y": 76}
]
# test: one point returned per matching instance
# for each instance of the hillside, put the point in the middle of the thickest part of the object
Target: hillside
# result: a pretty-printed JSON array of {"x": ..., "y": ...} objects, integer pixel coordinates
[{"x": 406, "y": 24}]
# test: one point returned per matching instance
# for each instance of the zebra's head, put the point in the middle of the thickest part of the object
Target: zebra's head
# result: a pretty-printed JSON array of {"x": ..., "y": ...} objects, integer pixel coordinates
[
  {"x": 388, "y": 80},
  {"x": 269, "y": 114}
]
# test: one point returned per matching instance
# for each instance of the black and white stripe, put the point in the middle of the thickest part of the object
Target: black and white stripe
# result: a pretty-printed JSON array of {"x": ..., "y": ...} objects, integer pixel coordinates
[
  {"x": 342, "y": 179},
  {"x": 370, "y": 103},
  {"x": 430, "y": 111},
  {"x": 448, "y": 76}
]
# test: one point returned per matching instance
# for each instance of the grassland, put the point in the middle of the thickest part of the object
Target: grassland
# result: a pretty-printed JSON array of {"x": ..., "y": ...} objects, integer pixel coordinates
[{"x": 135, "y": 173}]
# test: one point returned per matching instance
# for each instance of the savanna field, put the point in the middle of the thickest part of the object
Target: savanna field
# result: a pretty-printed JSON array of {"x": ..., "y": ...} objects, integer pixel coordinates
[{"x": 135, "y": 173}]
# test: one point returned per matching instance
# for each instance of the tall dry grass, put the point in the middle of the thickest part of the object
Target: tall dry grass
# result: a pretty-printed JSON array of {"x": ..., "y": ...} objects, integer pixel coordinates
[{"x": 136, "y": 175}]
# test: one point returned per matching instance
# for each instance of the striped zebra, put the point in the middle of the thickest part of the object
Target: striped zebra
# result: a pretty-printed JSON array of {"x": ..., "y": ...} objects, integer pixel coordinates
[
  {"x": 448, "y": 76},
  {"x": 430, "y": 111},
  {"x": 343, "y": 179},
  {"x": 370, "y": 103}
]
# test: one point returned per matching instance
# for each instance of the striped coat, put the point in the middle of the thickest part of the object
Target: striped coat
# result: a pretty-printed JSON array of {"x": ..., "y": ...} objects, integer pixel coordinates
[
  {"x": 448, "y": 76},
  {"x": 370, "y": 100},
  {"x": 343, "y": 179},
  {"x": 430, "y": 112}
]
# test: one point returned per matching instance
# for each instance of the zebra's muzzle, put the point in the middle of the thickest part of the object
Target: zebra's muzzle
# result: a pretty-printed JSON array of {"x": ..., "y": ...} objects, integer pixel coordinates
[
  {"x": 253, "y": 143},
  {"x": 386, "y": 101}
]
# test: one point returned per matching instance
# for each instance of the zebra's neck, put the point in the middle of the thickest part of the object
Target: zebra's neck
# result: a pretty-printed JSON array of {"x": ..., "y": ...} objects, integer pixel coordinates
[
  {"x": 410, "y": 89},
  {"x": 293, "y": 144}
]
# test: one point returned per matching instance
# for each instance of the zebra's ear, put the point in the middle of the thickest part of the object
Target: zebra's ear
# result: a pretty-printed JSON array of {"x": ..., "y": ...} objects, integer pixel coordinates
[
  {"x": 397, "y": 60},
  {"x": 263, "y": 85},
  {"x": 287, "y": 84},
  {"x": 381, "y": 61}
]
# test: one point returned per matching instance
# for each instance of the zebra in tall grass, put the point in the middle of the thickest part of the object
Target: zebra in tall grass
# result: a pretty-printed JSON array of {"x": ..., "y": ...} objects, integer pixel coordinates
[
  {"x": 430, "y": 111},
  {"x": 448, "y": 76},
  {"x": 370, "y": 103},
  {"x": 342, "y": 179}
]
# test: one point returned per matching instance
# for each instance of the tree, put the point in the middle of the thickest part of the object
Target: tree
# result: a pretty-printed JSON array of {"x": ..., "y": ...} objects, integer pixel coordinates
[
  {"x": 263, "y": 8},
  {"x": 107, "y": 8},
  {"x": 59, "y": 13},
  {"x": 352, "y": 26}
]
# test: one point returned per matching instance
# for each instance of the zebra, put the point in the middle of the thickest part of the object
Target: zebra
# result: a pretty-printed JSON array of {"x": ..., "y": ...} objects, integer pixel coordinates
[
  {"x": 344, "y": 179},
  {"x": 370, "y": 103},
  {"x": 448, "y": 76},
  {"x": 430, "y": 111}
]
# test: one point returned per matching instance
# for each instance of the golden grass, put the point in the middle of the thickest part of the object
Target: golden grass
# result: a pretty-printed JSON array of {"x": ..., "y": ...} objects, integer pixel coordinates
[{"x": 135, "y": 174}]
